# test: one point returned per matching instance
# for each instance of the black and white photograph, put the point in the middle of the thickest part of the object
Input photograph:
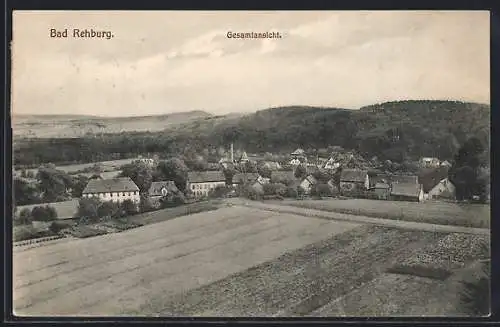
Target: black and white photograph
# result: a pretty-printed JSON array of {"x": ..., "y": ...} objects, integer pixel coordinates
[{"x": 250, "y": 163}]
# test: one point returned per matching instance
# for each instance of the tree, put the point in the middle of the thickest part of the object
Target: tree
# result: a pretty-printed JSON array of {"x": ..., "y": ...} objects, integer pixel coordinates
[
  {"x": 53, "y": 183},
  {"x": 145, "y": 204},
  {"x": 88, "y": 209},
  {"x": 174, "y": 170},
  {"x": 78, "y": 185},
  {"x": 300, "y": 172},
  {"x": 128, "y": 207},
  {"x": 250, "y": 167},
  {"x": 229, "y": 172},
  {"x": 291, "y": 192},
  {"x": 465, "y": 172},
  {"x": 25, "y": 193},
  {"x": 108, "y": 209},
  {"x": 264, "y": 171},
  {"x": 140, "y": 173}
]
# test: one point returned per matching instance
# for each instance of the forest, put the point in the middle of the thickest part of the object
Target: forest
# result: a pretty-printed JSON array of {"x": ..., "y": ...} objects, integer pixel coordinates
[{"x": 396, "y": 131}]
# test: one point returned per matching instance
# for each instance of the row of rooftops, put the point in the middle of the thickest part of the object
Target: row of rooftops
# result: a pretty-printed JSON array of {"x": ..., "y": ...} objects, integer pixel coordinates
[{"x": 124, "y": 184}]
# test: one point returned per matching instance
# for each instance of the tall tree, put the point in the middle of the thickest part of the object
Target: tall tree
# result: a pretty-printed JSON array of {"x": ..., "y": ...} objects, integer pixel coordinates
[
  {"x": 465, "y": 172},
  {"x": 175, "y": 170},
  {"x": 53, "y": 183},
  {"x": 140, "y": 173}
]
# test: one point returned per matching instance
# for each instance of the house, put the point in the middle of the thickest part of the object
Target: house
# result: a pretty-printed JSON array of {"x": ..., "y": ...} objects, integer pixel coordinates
[
  {"x": 331, "y": 164},
  {"x": 201, "y": 182},
  {"x": 429, "y": 162},
  {"x": 308, "y": 183},
  {"x": 244, "y": 178},
  {"x": 159, "y": 190},
  {"x": 147, "y": 161},
  {"x": 273, "y": 165},
  {"x": 115, "y": 190},
  {"x": 354, "y": 180},
  {"x": 381, "y": 190},
  {"x": 444, "y": 190},
  {"x": 298, "y": 153},
  {"x": 348, "y": 160},
  {"x": 446, "y": 163},
  {"x": 407, "y": 192},
  {"x": 404, "y": 179},
  {"x": 295, "y": 162},
  {"x": 243, "y": 158},
  {"x": 435, "y": 183}
]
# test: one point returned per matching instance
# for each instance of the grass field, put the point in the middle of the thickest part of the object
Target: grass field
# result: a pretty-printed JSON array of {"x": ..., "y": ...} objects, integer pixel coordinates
[
  {"x": 237, "y": 261},
  {"x": 468, "y": 215}
]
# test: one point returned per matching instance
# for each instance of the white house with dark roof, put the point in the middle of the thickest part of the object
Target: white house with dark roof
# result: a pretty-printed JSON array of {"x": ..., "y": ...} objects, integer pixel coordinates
[
  {"x": 115, "y": 190},
  {"x": 201, "y": 182},
  {"x": 159, "y": 190}
]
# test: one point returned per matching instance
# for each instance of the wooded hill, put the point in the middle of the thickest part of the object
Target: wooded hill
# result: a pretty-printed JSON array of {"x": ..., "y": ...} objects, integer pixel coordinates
[{"x": 394, "y": 130}]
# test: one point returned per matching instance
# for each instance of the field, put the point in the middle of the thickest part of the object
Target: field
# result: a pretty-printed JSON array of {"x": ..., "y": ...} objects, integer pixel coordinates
[
  {"x": 79, "y": 126},
  {"x": 468, "y": 215},
  {"x": 110, "y": 167},
  {"x": 234, "y": 261}
]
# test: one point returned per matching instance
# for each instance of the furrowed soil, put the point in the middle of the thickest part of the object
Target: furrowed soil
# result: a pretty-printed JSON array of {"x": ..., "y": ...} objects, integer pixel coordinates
[
  {"x": 300, "y": 281},
  {"x": 121, "y": 274}
]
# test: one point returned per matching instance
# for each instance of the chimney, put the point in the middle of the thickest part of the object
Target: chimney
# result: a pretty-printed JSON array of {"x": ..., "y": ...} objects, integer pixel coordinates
[{"x": 232, "y": 153}]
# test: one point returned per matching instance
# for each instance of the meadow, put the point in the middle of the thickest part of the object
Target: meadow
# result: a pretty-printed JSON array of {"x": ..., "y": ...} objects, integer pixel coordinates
[{"x": 443, "y": 213}]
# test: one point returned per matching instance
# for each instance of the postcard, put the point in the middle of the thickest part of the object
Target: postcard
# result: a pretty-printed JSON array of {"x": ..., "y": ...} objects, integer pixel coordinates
[{"x": 251, "y": 163}]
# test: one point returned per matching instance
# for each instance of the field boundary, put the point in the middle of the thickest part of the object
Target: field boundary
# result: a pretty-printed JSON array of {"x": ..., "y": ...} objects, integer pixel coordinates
[{"x": 369, "y": 220}]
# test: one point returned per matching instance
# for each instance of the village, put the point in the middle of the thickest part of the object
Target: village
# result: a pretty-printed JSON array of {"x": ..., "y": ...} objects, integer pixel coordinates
[{"x": 342, "y": 175}]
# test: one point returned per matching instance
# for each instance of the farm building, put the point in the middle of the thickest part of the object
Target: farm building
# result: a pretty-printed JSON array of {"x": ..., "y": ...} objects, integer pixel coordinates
[
  {"x": 428, "y": 162},
  {"x": 243, "y": 158},
  {"x": 435, "y": 184},
  {"x": 244, "y": 178},
  {"x": 381, "y": 190},
  {"x": 407, "y": 192},
  {"x": 115, "y": 190},
  {"x": 298, "y": 153},
  {"x": 404, "y": 179},
  {"x": 273, "y": 165},
  {"x": 446, "y": 163},
  {"x": 201, "y": 182},
  {"x": 354, "y": 180},
  {"x": 158, "y": 190},
  {"x": 308, "y": 183}
]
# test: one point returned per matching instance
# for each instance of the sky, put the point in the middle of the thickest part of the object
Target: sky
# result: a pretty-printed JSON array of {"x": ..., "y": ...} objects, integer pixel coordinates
[{"x": 172, "y": 61}]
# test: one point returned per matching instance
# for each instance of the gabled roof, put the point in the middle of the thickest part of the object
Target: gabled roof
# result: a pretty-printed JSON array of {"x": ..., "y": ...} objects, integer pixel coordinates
[
  {"x": 206, "y": 176},
  {"x": 298, "y": 152},
  {"x": 431, "y": 178},
  {"x": 382, "y": 186},
  {"x": 406, "y": 189},
  {"x": 311, "y": 179},
  {"x": 122, "y": 184},
  {"x": 242, "y": 177},
  {"x": 404, "y": 179},
  {"x": 353, "y": 175},
  {"x": 244, "y": 156},
  {"x": 156, "y": 188}
]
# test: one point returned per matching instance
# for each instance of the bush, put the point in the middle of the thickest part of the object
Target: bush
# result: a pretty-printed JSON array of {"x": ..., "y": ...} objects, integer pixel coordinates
[
  {"x": 108, "y": 209},
  {"x": 291, "y": 192},
  {"x": 46, "y": 213},
  {"x": 322, "y": 190},
  {"x": 57, "y": 226},
  {"x": 24, "y": 217},
  {"x": 88, "y": 209},
  {"x": 128, "y": 207}
]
